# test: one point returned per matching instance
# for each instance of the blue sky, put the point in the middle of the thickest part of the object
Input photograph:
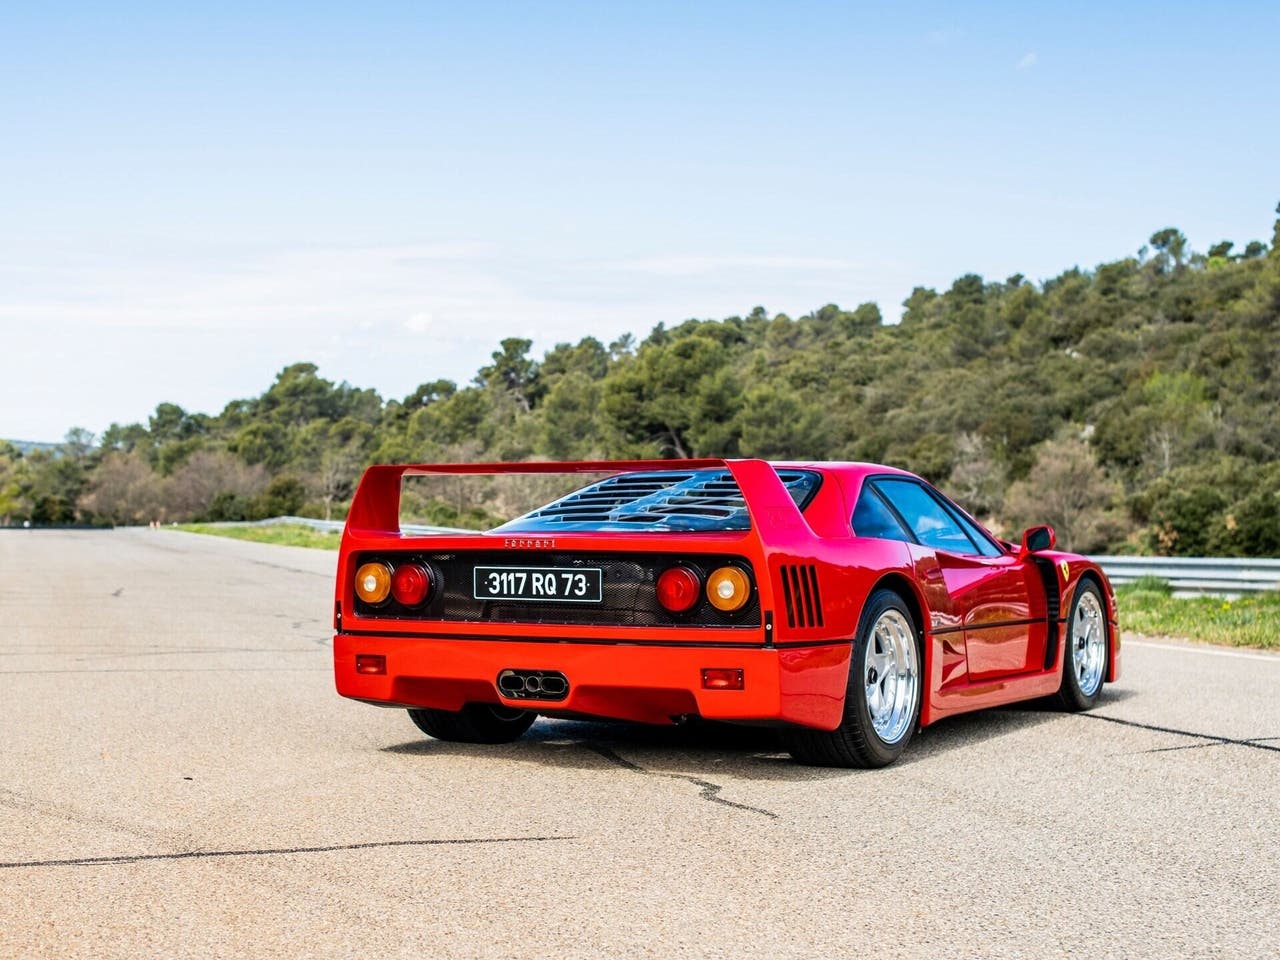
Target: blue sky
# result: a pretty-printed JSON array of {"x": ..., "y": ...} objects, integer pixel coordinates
[{"x": 189, "y": 201}]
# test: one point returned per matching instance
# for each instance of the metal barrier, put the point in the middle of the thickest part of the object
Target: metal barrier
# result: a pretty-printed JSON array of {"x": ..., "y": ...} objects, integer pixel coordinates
[{"x": 1193, "y": 575}]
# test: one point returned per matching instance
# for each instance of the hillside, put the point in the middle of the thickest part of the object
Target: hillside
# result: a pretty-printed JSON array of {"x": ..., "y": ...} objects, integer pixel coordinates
[{"x": 1135, "y": 406}]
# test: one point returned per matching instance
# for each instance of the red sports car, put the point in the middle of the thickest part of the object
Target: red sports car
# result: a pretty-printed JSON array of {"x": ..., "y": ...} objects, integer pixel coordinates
[{"x": 846, "y": 603}]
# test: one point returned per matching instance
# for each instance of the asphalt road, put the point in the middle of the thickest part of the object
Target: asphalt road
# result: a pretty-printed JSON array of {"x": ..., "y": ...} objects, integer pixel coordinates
[{"x": 178, "y": 778}]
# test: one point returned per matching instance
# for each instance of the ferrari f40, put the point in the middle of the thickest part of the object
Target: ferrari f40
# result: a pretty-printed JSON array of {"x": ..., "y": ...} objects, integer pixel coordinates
[{"x": 849, "y": 604}]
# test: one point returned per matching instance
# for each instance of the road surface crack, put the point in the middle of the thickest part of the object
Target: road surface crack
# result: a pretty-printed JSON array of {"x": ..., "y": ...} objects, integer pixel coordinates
[
  {"x": 708, "y": 790},
  {"x": 1254, "y": 742},
  {"x": 272, "y": 851}
]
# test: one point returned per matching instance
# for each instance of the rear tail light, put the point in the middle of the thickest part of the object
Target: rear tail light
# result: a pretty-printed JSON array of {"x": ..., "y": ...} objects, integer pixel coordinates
[
  {"x": 411, "y": 584},
  {"x": 371, "y": 664},
  {"x": 678, "y": 589},
  {"x": 373, "y": 582},
  {"x": 728, "y": 589}
]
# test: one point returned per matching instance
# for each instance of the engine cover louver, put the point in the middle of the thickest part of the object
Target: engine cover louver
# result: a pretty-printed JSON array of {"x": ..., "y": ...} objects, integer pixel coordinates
[
  {"x": 695, "y": 500},
  {"x": 800, "y": 593}
]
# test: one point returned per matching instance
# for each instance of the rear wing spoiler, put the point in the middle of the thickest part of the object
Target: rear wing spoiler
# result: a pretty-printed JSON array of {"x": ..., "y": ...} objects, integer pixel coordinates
[{"x": 375, "y": 508}]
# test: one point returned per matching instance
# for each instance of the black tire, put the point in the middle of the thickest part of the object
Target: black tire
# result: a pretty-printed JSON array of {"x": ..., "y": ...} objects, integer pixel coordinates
[
  {"x": 856, "y": 742},
  {"x": 474, "y": 723},
  {"x": 1084, "y": 657}
]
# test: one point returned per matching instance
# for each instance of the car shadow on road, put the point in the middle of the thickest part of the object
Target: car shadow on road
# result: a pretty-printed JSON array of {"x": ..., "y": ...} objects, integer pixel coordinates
[{"x": 724, "y": 750}]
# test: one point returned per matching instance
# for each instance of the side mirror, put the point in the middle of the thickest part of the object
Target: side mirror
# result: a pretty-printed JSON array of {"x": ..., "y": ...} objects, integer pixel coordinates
[{"x": 1035, "y": 539}]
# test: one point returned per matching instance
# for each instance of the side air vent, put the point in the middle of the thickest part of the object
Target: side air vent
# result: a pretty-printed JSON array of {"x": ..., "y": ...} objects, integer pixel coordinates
[
  {"x": 800, "y": 593},
  {"x": 1053, "y": 601}
]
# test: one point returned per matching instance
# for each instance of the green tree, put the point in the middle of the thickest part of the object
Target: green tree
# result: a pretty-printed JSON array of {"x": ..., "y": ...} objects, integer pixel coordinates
[
  {"x": 669, "y": 392},
  {"x": 514, "y": 372},
  {"x": 1169, "y": 244}
]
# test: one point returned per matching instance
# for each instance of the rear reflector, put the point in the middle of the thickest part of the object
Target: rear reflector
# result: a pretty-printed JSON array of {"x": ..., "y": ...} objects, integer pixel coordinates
[
  {"x": 722, "y": 678},
  {"x": 371, "y": 663}
]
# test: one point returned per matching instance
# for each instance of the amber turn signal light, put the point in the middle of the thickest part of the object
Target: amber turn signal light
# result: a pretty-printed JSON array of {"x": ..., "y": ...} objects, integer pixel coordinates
[
  {"x": 373, "y": 582},
  {"x": 728, "y": 589}
]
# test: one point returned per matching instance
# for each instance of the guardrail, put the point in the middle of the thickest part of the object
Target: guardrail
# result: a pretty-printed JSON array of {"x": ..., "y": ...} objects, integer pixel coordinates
[{"x": 1197, "y": 575}]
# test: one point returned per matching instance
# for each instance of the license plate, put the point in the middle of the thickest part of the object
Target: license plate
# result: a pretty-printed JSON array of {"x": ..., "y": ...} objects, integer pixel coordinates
[{"x": 547, "y": 584}]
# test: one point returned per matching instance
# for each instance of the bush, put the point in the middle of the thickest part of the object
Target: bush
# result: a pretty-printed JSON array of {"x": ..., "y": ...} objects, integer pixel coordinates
[
  {"x": 229, "y": 506},
  {"x": 283, "y": 497}
]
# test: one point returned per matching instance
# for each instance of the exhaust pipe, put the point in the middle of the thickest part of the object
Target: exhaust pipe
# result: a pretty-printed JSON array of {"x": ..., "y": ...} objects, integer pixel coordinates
[
  {"x": 511, "y": 683},
  {"x": 533, "y": 685},
  {"x": 554, "y": 685}
]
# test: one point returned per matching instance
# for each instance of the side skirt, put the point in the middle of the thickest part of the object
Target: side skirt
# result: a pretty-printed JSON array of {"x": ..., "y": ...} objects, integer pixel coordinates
[{"x": 992, "y": 693}]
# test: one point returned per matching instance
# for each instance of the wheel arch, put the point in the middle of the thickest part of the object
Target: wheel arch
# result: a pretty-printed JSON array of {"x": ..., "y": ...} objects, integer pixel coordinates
[{"x": 901, "y": 585}]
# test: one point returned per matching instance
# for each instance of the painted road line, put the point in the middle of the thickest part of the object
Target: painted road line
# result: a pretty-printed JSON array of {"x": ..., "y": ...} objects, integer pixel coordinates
[{"x": 1209, "y": 651}]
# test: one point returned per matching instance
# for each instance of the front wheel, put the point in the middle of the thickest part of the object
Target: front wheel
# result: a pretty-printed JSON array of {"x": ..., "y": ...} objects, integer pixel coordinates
[
  {"x": 1084, "y": 663},
  {"x": 474, "y": 723},
  {"x": 882, "y": 702}
]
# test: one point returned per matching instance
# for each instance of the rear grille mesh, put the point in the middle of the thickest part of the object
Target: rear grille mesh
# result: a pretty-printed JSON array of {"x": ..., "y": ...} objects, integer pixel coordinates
[
  {"x": 629, "y": 597},
  {"x": 800, "y": 592}
]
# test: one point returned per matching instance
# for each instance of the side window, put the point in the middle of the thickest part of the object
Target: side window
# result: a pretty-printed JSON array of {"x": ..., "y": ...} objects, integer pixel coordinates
[
  {"x": 871, "y": 518},
  {"x": 928, "y": 519},
  {"x": 983, "y": 542}
]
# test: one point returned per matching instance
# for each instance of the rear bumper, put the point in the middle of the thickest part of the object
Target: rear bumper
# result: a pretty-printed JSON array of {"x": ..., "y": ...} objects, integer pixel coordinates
[{"x": 627, "y": 681}]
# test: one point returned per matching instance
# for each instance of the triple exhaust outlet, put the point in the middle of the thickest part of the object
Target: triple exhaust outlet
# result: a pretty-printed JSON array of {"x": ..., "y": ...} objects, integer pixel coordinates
[{"x": 533, "y": 684}]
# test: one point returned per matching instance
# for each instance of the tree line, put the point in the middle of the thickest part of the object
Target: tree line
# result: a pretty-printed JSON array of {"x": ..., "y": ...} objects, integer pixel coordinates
[{"x": 1135, "y": 406}]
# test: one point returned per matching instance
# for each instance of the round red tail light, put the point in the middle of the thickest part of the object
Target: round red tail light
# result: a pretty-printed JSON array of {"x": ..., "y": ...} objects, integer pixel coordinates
[
  {"x": 678, "y": 589},
  {"x": 411, "y": 584}
]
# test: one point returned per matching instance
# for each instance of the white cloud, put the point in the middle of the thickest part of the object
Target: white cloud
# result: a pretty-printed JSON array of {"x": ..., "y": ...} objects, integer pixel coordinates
[
  {"x": 1027, "y": 62},
  {"x": 108, "y": 339},
  {"x": 421, "y": 322}
]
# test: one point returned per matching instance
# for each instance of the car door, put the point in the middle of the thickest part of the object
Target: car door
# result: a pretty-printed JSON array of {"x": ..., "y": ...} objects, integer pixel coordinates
[{"x": 989, "y": 595}]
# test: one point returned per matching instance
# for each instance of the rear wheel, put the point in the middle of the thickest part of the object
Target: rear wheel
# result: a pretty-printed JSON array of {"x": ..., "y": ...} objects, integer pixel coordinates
[
  {"x": 1084, "y": 663},
  {"x": 882, "y": 702},
  {"x": 474, "y": 723}
]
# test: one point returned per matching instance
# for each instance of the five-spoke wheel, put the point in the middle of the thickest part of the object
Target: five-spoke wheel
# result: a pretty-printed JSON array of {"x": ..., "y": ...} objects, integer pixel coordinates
[
  {"x": 891, "y": 675},
  {"x": 1085, "y": 659}
]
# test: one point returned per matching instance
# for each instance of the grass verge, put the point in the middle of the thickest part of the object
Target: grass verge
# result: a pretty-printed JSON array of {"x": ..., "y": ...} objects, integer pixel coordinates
[
  {"x": 285, "y": 534},
  {"x": 1253, "y": 620}
]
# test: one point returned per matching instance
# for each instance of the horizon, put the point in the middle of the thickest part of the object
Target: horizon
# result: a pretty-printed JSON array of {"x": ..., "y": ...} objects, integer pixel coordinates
[{"x": 200, "y": 199}]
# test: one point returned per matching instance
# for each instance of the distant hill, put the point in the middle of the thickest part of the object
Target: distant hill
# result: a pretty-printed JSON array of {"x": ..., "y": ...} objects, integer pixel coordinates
[{"x": 1135, "y": 406}]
